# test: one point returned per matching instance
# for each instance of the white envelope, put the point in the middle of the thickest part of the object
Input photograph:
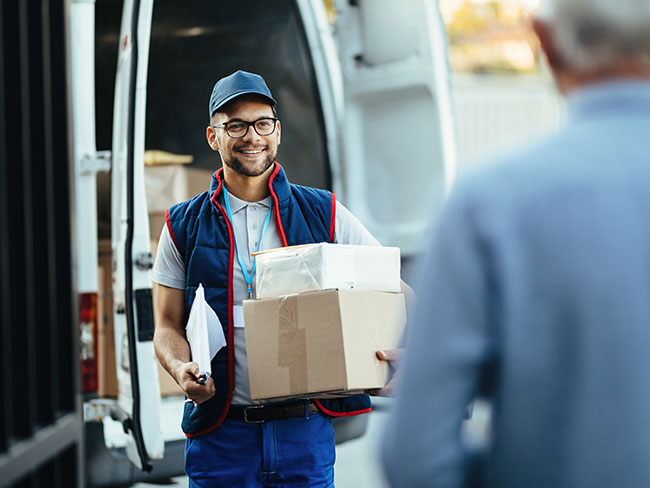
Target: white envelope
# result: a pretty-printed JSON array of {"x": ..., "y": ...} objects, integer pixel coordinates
[{"x": 204, "y": 333}]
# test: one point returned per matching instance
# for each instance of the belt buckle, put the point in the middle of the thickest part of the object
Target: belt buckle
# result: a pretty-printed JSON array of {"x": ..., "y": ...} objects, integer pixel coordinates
[{"x": 246, "y": 419}]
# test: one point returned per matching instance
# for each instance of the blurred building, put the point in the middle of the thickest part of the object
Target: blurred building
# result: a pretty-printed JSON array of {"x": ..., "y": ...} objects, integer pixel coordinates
[{"x": 503, "y": 94}]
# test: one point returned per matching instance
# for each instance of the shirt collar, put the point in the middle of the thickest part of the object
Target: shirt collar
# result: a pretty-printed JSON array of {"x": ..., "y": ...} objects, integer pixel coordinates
[
  {"x": 612, "y": 96},
  {"x": 236, "y": 204}
]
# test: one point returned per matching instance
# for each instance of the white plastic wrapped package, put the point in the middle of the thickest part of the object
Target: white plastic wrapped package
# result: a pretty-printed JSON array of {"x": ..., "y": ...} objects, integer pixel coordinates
[{"x": 297, "y": 269}]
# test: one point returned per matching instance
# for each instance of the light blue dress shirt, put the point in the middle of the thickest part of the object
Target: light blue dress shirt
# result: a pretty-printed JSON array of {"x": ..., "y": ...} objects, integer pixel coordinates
[{"x": 536, "y": 293}]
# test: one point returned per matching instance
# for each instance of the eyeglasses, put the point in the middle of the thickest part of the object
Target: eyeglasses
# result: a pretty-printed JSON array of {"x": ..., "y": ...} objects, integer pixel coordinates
[{"x": 239, "y": 128}]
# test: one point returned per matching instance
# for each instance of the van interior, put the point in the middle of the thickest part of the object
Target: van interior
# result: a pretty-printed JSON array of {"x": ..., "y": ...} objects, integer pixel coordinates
[{"x": 193, "y": 44}]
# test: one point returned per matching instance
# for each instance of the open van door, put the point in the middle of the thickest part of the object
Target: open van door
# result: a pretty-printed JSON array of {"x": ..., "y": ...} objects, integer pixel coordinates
[
  {"x": 398, "y": 136},
  {"x": 137, "y": 373}
]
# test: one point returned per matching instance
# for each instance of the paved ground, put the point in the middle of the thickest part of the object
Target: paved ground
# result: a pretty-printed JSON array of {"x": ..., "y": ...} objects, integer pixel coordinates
[{"x": 356, "y": 460}]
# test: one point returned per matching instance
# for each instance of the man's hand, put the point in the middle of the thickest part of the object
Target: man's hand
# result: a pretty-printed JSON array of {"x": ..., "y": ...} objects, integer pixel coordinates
[
  {"x": 392, "y": 356},
  {"x": 171, "y": 345},
  {"x": 187, "y": 376}
]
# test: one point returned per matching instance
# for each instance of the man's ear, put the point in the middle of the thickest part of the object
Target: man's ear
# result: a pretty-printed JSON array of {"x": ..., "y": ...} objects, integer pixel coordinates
[
  {"x": 211, "y": 136},
  {"x": 279, "y": 132},
  {"x": 544, "y": 33}
]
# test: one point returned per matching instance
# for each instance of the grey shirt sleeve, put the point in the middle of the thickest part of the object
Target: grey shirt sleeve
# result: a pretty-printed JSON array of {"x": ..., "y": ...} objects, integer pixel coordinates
[
  {"x": 447, "y": 346},
  {"x": 169, "y": 268},
  {"x": 348, "y": 229}
]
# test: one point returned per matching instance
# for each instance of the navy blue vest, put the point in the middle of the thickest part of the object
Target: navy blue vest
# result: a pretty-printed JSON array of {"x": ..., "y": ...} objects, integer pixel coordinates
[{"x": 203, "y": 235}]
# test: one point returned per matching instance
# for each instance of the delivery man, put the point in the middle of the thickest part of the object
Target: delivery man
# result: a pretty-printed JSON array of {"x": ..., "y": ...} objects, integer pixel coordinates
[{"x": 232, "y": 440}]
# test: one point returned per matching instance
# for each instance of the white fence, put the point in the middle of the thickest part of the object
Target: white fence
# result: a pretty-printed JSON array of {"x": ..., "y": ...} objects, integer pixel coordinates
[{"x": 494, "y": 113}]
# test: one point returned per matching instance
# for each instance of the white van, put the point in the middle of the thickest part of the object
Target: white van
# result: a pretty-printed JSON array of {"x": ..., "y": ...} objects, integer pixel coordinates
[{"x": 364, "y": 99}]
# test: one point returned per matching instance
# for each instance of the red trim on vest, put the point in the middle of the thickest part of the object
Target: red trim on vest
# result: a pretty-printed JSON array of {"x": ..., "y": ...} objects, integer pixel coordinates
[
  {"x": 332, "y": 413},
  {"x": 276, "y": 207},
  {"x": 231, "y": 341},
  {"x": 333, "y": 220},
  {"x": 169, "y": 228}
]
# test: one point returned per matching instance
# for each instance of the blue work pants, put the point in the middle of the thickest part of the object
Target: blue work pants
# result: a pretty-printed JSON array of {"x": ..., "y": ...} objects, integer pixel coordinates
[{"x": 292, "y": 453}]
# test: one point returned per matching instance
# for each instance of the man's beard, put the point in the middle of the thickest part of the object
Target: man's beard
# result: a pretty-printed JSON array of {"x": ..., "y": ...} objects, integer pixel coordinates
[{"x": 246, "y": 169}]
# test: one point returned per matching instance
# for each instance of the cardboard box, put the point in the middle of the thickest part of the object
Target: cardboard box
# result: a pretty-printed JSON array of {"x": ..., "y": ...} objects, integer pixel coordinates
[
  {"x": 298, "y": 269},
  {"x": 156, "y": 223},
  {"x": 106, "y": 371},
  {"x": 168, "y": 184},
  {"x": 320, "y": 342},
  {"x": 168, "y": 385}
]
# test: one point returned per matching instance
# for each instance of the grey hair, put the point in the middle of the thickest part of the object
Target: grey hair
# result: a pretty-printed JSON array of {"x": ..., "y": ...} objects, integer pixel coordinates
[{"x": 593, "y": 35}]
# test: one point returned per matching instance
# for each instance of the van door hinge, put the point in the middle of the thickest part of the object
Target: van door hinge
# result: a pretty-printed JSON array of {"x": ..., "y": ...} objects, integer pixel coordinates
[
  {"x": 95, "y": 163},
  {"x": 144, "y": 261}
]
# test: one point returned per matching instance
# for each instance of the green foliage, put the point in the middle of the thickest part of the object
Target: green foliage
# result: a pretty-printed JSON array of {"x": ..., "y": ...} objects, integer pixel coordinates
[{"x": 466, "y": 20}]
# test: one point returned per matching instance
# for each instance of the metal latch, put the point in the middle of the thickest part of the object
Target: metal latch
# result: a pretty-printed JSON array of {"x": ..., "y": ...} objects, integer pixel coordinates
[
  {"x": 122, "y": 417},
  {"x": 95, "y": 163},
  {"x": 144, "y": 261}
]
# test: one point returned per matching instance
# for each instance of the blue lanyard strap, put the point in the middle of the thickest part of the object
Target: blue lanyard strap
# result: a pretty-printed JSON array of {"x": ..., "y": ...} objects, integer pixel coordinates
[{"x": 248, "y": 277}]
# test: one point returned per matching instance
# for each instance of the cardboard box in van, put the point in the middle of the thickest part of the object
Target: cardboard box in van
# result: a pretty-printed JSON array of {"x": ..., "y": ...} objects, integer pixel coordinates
[
  {"x": 167, "y": 184},
  {"x": 106, "y": 371}
]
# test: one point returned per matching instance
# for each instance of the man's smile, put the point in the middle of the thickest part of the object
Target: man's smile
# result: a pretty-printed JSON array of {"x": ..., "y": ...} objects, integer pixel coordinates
[{"x": 251, "y": 152}]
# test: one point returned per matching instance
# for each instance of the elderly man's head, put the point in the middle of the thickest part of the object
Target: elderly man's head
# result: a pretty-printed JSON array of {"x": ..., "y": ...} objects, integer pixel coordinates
[{"x": 590, "y": 40}]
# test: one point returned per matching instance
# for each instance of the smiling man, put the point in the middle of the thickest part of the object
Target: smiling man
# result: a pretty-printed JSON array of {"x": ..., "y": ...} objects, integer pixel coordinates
[{"x": 232, "y": 440}]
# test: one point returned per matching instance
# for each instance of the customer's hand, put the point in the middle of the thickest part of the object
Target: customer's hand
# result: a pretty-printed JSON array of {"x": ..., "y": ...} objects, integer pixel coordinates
[{"x": 392, "y": 356}]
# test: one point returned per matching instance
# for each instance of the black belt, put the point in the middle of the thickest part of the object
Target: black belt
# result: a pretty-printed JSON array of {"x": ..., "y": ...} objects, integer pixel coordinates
[{"x": 264, "y": 413}]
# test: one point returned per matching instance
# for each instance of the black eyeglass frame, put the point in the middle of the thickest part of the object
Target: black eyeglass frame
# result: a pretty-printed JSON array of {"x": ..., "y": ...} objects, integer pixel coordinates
[{"x": 248, "y": 126}]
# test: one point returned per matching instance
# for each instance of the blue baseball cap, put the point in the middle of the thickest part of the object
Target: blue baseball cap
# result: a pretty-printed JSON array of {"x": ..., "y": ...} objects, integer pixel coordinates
[{"x": 236, "y": 84}]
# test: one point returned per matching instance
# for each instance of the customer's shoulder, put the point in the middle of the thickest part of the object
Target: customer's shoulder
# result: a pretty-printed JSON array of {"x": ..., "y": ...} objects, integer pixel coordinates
[
  {"x": 519, "y": 182},
  {"x": 531, "y": 167}
]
